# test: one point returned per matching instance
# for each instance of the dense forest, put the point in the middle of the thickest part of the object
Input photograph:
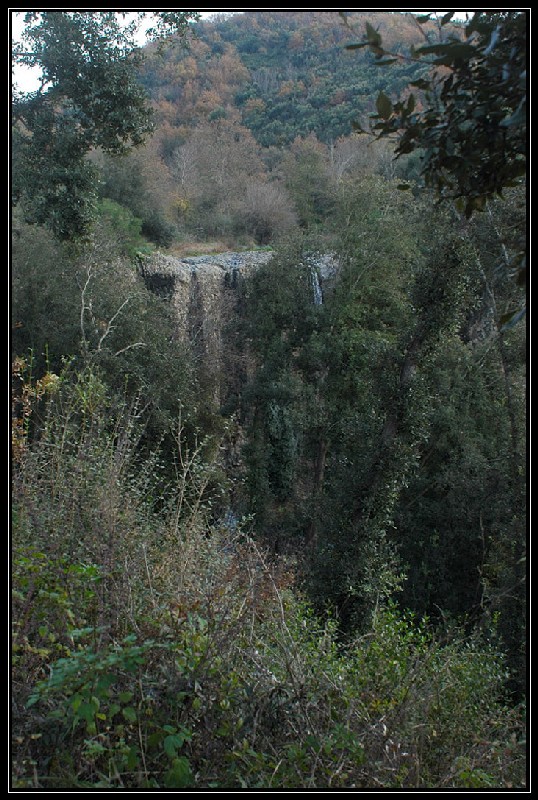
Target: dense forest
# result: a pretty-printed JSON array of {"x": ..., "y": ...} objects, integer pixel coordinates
[{"x": 302, "y": 565}]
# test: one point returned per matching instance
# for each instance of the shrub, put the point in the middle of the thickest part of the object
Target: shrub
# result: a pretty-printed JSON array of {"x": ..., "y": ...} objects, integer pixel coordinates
[{"x": 125, "y": 227}]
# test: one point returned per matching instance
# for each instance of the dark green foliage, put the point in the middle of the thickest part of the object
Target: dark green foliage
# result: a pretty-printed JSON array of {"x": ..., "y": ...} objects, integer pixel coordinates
[
  {"x": 43, "y": 318},
  {"x": 124, "y": 227},
  {"x": 155, "y": 651},
  {"x": 52, "y": 181},
  {"x": 462, "y": 499},
  {"x": 480, "y": 147},
  {"x": 308, "y": 182},
  {"x": 330, "y": 373},
  {"x": 280, "y": 321},
  {"x": 158, "y": 230},
  {"x": 372, "y": 410}
]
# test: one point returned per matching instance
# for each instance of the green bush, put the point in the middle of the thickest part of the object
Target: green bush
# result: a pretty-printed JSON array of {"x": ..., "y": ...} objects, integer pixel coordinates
[
  {"x": 127, "y": 229},
  {"x": 158, "y": 230}
]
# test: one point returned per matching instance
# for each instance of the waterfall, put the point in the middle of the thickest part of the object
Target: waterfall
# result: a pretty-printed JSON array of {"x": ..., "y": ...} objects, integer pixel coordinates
[{"x": 316, "y": 285}]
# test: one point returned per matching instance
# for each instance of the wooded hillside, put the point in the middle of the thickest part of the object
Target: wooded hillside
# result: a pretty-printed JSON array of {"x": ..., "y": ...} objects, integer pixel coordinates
[{"x": 281, "y": 74}]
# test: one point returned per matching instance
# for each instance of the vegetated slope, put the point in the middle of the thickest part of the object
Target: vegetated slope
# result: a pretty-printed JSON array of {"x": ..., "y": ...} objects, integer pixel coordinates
[
  {"x": 281, "y": 73},
  {"x": 255, "y": 119}
]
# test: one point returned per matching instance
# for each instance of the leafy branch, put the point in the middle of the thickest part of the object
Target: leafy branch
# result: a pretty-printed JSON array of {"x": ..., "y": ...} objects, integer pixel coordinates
[{"x": 467, "y": 120}]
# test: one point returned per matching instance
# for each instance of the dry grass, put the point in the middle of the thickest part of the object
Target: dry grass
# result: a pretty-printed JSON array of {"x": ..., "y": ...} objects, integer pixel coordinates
[{"x": 187, "y": 249}]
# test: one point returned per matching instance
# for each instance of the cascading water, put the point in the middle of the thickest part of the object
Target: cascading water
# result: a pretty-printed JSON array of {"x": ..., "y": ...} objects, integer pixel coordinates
[{"x": 316, "y": 285}]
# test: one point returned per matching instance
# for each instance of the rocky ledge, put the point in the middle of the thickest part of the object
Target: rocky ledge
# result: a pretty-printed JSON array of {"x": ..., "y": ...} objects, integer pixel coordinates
[{"x": 162, "y": 264}]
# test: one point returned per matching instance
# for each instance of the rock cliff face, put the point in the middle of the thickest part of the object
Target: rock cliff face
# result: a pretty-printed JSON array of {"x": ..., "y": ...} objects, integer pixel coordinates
[
  {"x": 205, "y": 294},
  {"x": 203, "y": 291}
]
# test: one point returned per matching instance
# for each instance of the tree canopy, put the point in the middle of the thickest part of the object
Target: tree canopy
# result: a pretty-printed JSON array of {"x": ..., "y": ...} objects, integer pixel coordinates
[{"x": 89, "y": 97}]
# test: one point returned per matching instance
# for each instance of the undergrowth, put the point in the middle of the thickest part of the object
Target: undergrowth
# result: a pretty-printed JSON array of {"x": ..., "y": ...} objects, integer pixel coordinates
[{"x": 155, "y": 646}]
